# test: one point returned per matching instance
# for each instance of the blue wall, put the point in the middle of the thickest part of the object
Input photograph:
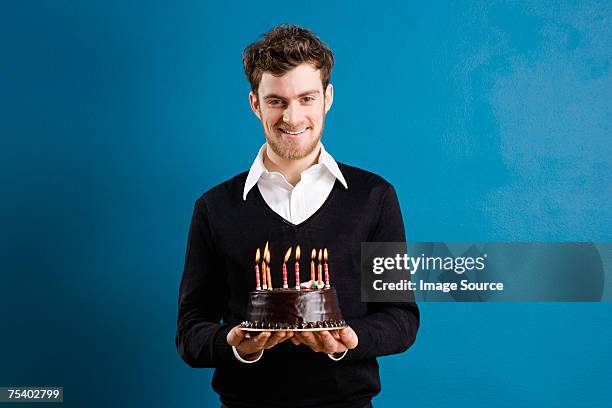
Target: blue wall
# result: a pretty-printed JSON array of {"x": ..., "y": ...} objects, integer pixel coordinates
[{"x": 492, "y": 120}]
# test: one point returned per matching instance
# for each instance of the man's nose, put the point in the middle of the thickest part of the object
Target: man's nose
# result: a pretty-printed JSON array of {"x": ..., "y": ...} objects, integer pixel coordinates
[{"x": 291, "y": 115}]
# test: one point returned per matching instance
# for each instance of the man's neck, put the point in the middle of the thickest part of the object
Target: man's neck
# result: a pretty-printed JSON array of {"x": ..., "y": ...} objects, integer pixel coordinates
[{"x": 290, "y": 169}]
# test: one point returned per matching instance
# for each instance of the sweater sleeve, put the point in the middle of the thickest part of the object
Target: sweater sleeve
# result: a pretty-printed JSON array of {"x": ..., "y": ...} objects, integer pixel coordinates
[
  {"x": 200, "y": 337},
  {"x": 389, "y": 328}
]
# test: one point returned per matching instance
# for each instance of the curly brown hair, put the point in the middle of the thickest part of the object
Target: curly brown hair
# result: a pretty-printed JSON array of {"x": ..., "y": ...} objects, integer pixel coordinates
[{"x": 283, "y": 48}]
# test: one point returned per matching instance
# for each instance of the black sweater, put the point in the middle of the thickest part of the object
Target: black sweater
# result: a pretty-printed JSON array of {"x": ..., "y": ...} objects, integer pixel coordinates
[{"x": 219, "y": 273}]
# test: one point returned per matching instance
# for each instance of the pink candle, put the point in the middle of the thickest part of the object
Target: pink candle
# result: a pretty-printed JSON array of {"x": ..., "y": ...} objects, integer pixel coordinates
[
  {"x": 285, "y": 276},
  {"x": 257, "y": 269},
  {"x": 319, "y": 268},
  {"x": 325, "y": 268},
  {"x": 263, "y": 272},
  {"x": 297, "y": 267},
  {"x": 263, "y": 268}
]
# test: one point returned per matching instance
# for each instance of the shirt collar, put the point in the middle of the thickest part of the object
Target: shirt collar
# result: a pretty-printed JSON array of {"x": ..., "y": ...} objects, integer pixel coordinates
[{"x": 258, "y": 169}]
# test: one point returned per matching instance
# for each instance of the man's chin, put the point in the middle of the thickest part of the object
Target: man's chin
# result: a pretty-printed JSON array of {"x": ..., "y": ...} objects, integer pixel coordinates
[{"x": 292, "y": 152}]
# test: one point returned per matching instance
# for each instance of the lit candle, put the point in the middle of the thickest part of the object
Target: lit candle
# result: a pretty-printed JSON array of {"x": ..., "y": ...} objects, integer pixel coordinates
[
  {"x": 263, "y": 268},
  {"x": 313, "y": 255},
  {"x": 268, "y": 270},
  {"x": 257, "y": 269},
  {"x": 320, "y": 280},
  {"x": 287, "y": 255},
  {"x": 326, "y": 268},
  {"x": 297, "y": 267},
  {"x": 269, "y": 278}
]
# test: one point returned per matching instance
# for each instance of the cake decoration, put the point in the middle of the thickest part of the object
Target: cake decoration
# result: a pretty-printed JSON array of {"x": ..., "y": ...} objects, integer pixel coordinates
[
  {"x": 326, "y": 268},
  {"x": 313, "y": 255},
  {"x": 308, "y": 306},
  {"x": 297, "y": 268},
  {"x": 257, "y": 270},
  {"x": 268, "y": 268},
  {"x": 263, "y": 268},
  {"x": 287, "y": 255},
  {"x": 320, "y": 280}
]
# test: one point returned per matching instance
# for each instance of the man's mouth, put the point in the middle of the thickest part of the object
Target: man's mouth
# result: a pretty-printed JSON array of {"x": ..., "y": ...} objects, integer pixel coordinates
[{"x": 293, "y": 133}]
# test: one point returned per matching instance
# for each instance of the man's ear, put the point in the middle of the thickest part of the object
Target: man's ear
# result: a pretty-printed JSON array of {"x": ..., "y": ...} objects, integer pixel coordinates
[
  {"x": 254, "y": 104},
  {"x": 329, "y": 97}
]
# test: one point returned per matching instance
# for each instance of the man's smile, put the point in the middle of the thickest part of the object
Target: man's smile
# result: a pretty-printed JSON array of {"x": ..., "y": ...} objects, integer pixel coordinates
[{"x": 293, "y": 133}]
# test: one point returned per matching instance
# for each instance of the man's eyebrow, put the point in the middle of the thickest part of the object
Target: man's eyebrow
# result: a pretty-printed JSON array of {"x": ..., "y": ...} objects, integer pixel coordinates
[{"x": 311, "y": 92}]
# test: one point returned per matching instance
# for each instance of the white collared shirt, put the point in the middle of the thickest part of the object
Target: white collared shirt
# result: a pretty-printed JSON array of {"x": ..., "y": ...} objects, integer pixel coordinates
[{"x": 295, "y": 204}]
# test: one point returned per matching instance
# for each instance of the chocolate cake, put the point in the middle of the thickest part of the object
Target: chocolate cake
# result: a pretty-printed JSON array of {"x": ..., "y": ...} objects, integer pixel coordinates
[{"x": 292, "y": 309}]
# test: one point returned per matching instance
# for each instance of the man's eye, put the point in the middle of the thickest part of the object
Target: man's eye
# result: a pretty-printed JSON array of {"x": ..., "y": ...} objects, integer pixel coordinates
[
  {"x": 275, "y": 102},
  {"x": 308, "y": 99}
]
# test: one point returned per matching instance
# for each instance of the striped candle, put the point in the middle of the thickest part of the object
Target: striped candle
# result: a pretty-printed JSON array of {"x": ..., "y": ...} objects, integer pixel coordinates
[
  {"x": 257, "y": 270},
  {"x": 320, "y": 278},
  {"x": 268, "y": 270},
  {"x": 297, "y": 267},
  {"x": 326, "y": 268}
]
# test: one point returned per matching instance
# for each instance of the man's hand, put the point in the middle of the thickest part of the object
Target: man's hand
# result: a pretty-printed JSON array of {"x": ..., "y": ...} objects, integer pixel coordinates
[
  {"x": 327, "y": 341},
  {"x": 247, "y": 345}
]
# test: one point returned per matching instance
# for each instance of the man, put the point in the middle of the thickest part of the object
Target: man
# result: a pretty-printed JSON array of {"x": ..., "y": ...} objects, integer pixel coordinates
[{"x": 294, "y": 194}]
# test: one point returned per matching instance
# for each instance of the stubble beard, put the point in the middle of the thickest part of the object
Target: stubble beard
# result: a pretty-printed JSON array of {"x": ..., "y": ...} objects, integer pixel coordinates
[{"x": 289, "y": 150}]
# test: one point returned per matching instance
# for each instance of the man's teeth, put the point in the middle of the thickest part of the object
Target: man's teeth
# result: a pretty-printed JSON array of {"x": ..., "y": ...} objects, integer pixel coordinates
[{"x": 293, "y": 133}]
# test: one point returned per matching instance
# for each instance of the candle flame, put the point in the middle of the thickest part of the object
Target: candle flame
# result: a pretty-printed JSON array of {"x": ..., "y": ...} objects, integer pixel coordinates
[
  {"x": 297, "y": 253},
  {"x": 320, "y": 255},
  {"x": 267, "y": 254},
  {"x": 265, "y": 250},
  {"x": 288, "y": 254},
  {"x": 313, "y": 254},
  {"x": 257, "y": 256},
  {"x": 325, "y": 254}
]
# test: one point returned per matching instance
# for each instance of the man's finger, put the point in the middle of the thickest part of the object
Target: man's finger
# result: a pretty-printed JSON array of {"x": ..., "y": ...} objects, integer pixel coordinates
[
  {"x": 261, "y": 339},
  {"x": 252, "y": 345},
  {"x": 274, "y": 339},
  {"x": 330, "y": 345},
  {"x": 306, "y": 337},
  {"x": 310, "y": 340},
  {"x": 348, "y": 337},
  {"x": 235, "y": 336}
]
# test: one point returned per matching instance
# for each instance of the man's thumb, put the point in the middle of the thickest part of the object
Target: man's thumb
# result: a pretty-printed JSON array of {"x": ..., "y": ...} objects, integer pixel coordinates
[
  {"x": 349, "y": 338},
  {"x": 235, "y": 336}
]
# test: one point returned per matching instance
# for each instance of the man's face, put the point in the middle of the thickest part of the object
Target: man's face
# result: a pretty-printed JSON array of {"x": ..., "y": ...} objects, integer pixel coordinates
[{"x": 292, "y": 110}]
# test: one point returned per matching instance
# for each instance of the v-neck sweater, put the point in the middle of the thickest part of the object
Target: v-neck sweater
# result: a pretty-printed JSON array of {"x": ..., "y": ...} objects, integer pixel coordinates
[{"x": 219, "y": 274}]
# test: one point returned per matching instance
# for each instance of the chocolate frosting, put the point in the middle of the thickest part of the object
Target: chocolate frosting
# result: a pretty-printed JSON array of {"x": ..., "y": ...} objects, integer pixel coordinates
[{"x": 293, "y": 309}]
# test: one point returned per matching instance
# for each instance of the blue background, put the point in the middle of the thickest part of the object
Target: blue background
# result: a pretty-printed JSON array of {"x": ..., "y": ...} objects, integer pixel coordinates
[{"x": 491, "y": 119}]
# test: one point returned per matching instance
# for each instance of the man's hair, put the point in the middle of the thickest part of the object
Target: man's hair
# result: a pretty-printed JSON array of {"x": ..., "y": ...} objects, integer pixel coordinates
[{"x": 283, "y": 48}]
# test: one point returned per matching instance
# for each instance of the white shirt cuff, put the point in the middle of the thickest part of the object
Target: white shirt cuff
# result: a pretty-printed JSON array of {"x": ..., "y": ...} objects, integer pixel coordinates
[
  {"x": 247, "y": 361},
  {"x": 337, "y": 358}
]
